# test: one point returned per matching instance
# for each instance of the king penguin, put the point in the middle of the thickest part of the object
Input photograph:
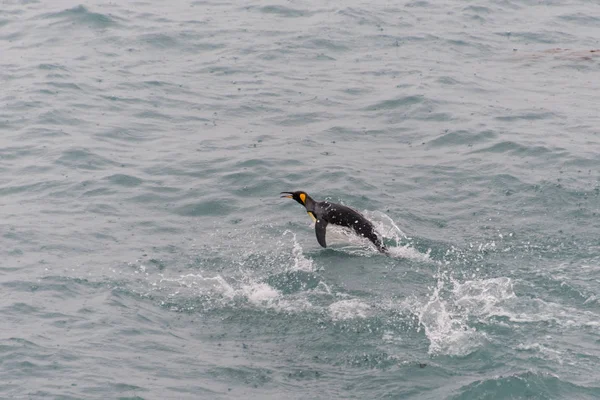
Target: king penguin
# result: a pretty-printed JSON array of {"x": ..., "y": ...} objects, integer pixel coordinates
[{"x": 325, "y": 213}]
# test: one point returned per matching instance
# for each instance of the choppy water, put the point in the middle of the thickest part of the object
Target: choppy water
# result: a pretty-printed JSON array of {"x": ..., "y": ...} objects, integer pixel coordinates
[{"x": 146, "y": 254}]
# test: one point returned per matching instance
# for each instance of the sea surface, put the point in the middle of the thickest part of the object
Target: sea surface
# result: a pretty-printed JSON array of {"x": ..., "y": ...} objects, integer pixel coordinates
[{"x": 145, "y": 252}]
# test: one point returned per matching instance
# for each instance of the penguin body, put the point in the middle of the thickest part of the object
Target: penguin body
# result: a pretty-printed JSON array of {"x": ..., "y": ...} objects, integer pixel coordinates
[{"x": 325, "y": 213}]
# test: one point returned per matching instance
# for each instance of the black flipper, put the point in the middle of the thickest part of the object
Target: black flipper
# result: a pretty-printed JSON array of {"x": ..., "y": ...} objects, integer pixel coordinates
[
  {"x": 375, "y": 240},
  {"x": 320, "y": 226}
]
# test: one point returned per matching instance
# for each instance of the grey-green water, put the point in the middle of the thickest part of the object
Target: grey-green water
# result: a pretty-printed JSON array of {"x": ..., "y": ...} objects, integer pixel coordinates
[{"x": 146, "y": 254}]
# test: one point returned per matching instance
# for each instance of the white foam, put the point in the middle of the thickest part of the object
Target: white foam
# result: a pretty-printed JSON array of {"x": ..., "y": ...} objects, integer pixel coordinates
[
  {"x": 390, "y": 231},
  {"x": 260, "y": 294},
  {"x": 483, "y": 297},
  {"x": 348, "y": 309},
  {"x": 446, "y": 328},
  {"x": 247, "y": 287},
  {"x": 542, "y": 349},
  {"x": 301, "y": 263},
  {"x": 538, "y": 310},
  {"x": 199, "y": 283},
  {"x": 489, "y": 298},
  {"x": 391, "y": 337},
  {"x": 445, "y": 316},
  {"x": 221, "y": 293},
  {"x": 409, "y": 252}
]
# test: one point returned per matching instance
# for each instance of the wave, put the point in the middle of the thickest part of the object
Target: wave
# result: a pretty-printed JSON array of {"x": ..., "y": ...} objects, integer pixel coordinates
[
  {"x": 526, "y": 385},
  {"x": 84, "y": 17}
]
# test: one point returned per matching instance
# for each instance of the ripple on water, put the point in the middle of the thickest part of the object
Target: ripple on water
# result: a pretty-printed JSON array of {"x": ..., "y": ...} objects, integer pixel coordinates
[
  {"x": 581, "y": 19},
  {"x": 282, "y": 11},
  {"x": 206, "y": 208},
  {"x": 124, "y": 180},
  {"x": 462, "y": 137},
  {"x": 530, "y": 116},
  {"x": 81, "y": 16},
  {"x": 399, "y": 102},
  {"x": 159, "y": 40},
  {"x": 516, "y": 149},
  {"x": 526, "y": 384},
  {"x": 82, "y": 158}
]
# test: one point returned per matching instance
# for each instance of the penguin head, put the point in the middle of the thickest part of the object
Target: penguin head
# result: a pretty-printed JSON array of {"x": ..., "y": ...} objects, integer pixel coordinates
[{"x": 299, "y": 196}]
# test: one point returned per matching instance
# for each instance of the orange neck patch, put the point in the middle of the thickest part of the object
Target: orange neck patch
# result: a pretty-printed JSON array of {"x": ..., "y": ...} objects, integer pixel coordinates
[{"x": 303, "y": 197}]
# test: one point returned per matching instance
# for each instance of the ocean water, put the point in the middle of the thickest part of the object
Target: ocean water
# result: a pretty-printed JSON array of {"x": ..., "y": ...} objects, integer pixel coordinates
[{"x": 146, "y": 254}]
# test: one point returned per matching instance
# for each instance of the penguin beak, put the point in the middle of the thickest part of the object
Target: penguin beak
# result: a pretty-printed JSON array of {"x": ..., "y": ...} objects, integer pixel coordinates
[{"x": 287, "y": 195}]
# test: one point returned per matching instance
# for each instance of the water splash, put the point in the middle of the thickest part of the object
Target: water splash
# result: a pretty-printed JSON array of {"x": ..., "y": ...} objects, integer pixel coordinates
[
  {"x": 483, "y": 297},
  {"x": 386, "y": 226},
  {"x": 252, "y": 285},
  {"x": 196, "y": 283},
  {"x": 301, "y": 263},
  {"x": 407, "y": 251},
  {"x": 398, "y": 243},
  {"x": 445, "y": 325},
  {"x": 260, "y": 293},
  {"x": 348, "y": 309}
]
